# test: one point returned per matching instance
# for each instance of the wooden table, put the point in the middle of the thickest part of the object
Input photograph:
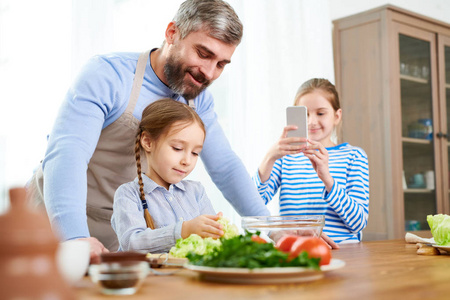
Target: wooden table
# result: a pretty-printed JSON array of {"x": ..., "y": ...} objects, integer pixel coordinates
[{"x": 374, "y": 270}]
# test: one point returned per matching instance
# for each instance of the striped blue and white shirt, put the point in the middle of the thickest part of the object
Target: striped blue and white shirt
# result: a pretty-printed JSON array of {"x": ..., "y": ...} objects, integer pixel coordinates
[{"x": 346, "y": 207}]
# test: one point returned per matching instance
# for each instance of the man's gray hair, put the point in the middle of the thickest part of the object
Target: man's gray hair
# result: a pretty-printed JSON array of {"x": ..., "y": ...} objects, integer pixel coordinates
[{"x": 217, "y": 17}]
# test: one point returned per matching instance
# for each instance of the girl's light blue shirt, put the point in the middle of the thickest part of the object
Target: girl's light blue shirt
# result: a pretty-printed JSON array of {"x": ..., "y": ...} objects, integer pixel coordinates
[{"x": 183, "y": 201}]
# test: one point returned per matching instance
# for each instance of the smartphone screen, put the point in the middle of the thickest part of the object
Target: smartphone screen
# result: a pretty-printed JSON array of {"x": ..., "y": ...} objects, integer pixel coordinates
[{"x": 297, "y": 115}]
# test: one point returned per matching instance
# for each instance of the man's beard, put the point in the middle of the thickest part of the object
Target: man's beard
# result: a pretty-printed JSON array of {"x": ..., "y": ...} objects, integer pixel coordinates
[{"x": 175, "y": 74}]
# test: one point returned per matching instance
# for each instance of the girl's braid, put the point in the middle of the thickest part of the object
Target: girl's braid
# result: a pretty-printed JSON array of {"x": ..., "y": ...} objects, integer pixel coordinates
[{"x": 137, "y": 150}]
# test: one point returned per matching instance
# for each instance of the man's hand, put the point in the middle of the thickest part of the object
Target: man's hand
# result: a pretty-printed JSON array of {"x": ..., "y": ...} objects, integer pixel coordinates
[{"x": 97, "y": 248}]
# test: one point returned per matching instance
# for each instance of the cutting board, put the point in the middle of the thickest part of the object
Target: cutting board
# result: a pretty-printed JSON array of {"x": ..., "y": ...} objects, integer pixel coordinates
[{"x": 166, "y": 259}]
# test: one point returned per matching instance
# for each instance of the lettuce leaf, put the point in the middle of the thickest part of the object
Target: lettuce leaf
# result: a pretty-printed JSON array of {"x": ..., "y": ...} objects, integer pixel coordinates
[
  {"x": 440, "y": 228},
  {"x": 194, "y": 243},
  {"x": 201, "y": 246},
  {"x": 230, "y": 230}
]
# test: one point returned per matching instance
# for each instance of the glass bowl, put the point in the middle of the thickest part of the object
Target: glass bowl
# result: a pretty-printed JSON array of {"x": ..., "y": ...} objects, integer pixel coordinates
[
  {"x": 118, "y": 278},
  {"x": 274, "y": 227}
]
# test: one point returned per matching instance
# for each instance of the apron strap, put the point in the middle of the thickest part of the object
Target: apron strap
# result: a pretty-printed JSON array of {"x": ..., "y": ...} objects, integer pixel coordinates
[
  {"x": 138, "y": 79},
  {"x": 191, "y": 104}
]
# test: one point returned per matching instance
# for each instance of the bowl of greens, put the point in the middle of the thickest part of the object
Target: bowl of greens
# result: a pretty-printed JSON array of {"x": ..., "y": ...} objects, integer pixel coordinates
[
  {"x": 248, "y": 259},
  {"x": 274, "y": 227}
]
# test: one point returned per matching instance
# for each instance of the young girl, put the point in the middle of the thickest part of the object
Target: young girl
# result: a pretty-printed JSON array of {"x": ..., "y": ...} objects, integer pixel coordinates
[
  {"x": 158, "y": 207},
  {"x": 322, "y": 177}
]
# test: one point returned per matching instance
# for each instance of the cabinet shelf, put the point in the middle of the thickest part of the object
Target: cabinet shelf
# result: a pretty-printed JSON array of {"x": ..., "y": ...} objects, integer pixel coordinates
[
  {"x": 416, "y": 141},
  {"x": 414, "y": 79},
  {"x": 419, "y": 191}
]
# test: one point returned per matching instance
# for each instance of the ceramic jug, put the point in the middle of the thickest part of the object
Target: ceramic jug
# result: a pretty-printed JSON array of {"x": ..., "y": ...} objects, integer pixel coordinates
[{"x": 28, "y": 247}]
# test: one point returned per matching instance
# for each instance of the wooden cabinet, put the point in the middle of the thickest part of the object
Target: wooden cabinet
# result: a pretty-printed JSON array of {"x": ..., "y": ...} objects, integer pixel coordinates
[{"x": 393, "y": 76}]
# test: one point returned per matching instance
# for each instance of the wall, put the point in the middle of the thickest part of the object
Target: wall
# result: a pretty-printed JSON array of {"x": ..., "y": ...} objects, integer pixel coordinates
[
  {"x": 285, "y": 42},
  {"x": 436, "y": 9}
]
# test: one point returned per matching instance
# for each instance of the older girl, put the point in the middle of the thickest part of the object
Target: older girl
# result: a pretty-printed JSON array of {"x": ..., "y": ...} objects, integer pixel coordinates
[
  {"x": 159, "y": 207},
  {"x": 322, "y": 177}
]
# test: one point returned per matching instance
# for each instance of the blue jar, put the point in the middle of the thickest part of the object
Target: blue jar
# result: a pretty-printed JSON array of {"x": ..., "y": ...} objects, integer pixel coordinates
[
  {"x": 412, "y": 225},
  {"x": 427, "y": 128}
]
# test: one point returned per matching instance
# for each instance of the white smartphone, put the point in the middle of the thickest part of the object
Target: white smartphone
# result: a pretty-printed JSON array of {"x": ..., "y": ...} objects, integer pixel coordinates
[{"x": 297, "y": 115}]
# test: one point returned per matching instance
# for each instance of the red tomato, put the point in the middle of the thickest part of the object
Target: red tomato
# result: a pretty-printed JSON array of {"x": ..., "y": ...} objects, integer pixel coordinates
[
  {"x": 258, "y": 239},
  {"x": 314, "y": 246},
  {"x": 285, "y": 242}
]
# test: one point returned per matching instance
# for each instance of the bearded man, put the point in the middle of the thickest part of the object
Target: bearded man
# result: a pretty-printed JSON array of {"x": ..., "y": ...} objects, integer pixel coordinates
[{"x": 91, "y": 147}]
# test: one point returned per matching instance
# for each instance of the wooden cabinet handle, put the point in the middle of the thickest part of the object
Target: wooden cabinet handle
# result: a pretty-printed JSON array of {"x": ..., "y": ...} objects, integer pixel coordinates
[{"x": 441, "y": 135}]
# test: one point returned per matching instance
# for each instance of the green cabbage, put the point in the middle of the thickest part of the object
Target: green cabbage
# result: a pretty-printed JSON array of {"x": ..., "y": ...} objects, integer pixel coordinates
[
  {"x": 194, "y": 243},
  {"x": 440, "y": 228},
  {"x": 198, "y": 245},
  {"x": 230, "y": 230}
]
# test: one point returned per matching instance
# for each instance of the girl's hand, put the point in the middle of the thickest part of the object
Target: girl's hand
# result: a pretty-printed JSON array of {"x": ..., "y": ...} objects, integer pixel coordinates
[
  {"x": 278, "y": 150},
  {"x": 204, "y": 226},
  {"x": 284, "y": 145},
  {"x": 318, "y": 156}
]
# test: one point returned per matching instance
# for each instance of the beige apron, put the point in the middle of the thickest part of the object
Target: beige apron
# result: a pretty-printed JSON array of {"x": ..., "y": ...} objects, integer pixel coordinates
[{"x": 112, "y": 164}]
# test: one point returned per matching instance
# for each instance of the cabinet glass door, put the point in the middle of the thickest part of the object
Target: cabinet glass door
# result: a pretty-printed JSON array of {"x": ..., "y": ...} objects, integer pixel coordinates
[
  {"x": 420, "y": 196},
  {"x": 447, "y": 101}
]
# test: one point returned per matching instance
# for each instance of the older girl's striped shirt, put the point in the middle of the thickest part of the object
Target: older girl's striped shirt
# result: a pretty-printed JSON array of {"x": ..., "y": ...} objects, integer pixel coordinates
[{"x": 346, "y": 206}]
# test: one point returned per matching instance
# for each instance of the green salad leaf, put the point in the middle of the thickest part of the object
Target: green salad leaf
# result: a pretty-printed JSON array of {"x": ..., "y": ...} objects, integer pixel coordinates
[
  {"x": 196, "y": 244},
  {"x": 242, "y": 252},
  {"x": 440, "y": 228},
  {"x": 230, "y": 230}
]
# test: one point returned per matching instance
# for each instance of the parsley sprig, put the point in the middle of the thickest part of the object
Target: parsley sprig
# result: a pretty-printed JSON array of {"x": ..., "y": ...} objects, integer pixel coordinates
[{"x": 242, "y": 252}]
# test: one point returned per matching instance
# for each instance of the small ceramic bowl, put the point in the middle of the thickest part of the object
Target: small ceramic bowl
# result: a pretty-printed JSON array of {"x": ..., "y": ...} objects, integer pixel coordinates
[
  {"x": 124, "y": 257},
  {"x": 274, "y": 227},
  {"x": 119, "y": 278}
]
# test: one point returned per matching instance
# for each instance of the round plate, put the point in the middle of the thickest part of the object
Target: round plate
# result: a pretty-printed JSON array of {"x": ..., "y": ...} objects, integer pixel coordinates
[
  {"x": 264, "y": 275},
  {"x": 445, "y": 248}
]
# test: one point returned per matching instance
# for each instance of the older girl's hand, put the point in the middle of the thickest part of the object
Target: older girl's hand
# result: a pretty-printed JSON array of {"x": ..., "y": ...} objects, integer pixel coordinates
[
  {"x": 329, "y": 241},
  {"x": 318, "y": 156},
  {"x": 282, "y": 147},
  {"x": 204, "y": 226},
  {"x": 285, "y": 144}
]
